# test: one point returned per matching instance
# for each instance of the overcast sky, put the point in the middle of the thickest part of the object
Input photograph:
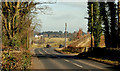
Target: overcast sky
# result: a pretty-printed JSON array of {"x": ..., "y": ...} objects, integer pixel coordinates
[{"x": 72, "y": 13}]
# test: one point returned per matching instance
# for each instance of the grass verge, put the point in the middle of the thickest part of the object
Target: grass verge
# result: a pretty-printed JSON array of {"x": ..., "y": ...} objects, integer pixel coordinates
[{"x": 116, "y": 63}]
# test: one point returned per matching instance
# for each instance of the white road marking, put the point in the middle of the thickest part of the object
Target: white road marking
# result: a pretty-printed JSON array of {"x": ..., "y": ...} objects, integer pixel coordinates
[
  {"x": 77, "y": 65},
  {"x": 67, "y": 60},
  {"x": 40, "y": 52},
  {"x": 46, "y": 51},
  {"x": 89, "y": 64},
  {"x": 73, "y": 63}
]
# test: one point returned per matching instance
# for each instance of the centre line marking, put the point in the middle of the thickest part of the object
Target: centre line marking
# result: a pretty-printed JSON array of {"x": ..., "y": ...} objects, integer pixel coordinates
[
  {"x": 89, "y": 64},
  {"x": 74, "y": 63},
  {"x": 67, "y": 60},
  {"x": 77, "y": 65},
  {"x": 46, "y": 51},
  {"x": 40, "y": 52}
]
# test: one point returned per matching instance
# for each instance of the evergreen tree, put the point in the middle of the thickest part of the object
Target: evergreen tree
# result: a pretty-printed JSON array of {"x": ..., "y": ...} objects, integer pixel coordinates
[
  {"x": 89, "y": 16},
  {"x": 119, "y": 24},
  {"x": 105, "y": 13},
  {"x": 113, "y": 23},
  {"x": 105, "y": 21},
  {"x": 97, "y": 27}
]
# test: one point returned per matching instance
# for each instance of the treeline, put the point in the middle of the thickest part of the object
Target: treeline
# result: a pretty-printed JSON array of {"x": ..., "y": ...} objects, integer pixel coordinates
[
  {"x": 59, "y": 34},
  {"x": 52, "y": 32},
  {"x": 105, "y": 20}
]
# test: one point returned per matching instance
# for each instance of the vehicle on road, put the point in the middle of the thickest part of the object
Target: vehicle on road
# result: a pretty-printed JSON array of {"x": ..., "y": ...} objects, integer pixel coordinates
[
  {"x": 60, "y": 46},
  {"x": 48, "y": 46}
]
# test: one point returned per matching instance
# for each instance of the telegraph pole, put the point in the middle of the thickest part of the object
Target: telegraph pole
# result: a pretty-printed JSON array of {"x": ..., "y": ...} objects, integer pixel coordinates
[
  {"x": 92, "y": 25},
  {"x": 65, "y": 34}
]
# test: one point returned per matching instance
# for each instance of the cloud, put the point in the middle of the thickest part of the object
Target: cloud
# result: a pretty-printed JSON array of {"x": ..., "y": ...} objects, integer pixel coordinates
[
  {"x": 71, "y": 13},
  {"x": 76, "y": 4},
  {"x": 64, "y": 17}
]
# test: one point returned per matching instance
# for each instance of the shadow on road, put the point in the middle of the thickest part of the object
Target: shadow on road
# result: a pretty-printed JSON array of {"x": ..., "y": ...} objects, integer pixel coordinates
[
  {"x": 45, "y": 55},
  {"x": 62, "y": 56}
]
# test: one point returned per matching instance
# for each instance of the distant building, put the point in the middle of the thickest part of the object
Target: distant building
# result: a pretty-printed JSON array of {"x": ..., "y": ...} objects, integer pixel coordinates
[
  {"x": 36, "y": 36},
  {"x": 39, "y": 39},
  {"x": 79, "y": 34}
]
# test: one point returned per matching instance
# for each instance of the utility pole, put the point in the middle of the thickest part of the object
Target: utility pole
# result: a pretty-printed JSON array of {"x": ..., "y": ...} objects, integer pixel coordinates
[
  {"x": 92, "y": 25},
  {"x": 65, "y": 34}
]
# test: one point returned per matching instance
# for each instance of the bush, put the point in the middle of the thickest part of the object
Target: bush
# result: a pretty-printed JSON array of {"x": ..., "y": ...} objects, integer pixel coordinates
[{"x": 12, "y": 60}]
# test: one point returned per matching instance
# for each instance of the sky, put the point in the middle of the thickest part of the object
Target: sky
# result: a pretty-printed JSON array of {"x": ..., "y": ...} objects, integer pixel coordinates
[{"x": 72, "y": 13}]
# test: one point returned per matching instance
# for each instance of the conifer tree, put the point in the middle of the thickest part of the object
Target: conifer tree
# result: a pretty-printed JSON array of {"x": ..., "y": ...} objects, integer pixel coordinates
[
  {"x": 97, "y": 27},
  {"x": 113, "y": 23},
  {"x": 105, "y": 22}
]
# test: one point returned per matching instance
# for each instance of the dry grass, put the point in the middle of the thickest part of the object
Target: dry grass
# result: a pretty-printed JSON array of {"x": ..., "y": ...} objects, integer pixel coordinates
[
  {"x": 61, "y": 50},
  {"x": 105, "y": 61},
  {"x": 54, "y": 42}
]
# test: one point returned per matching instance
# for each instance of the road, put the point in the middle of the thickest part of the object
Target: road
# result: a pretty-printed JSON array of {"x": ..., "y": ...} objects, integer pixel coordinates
[{"x": 47, "y": 58}]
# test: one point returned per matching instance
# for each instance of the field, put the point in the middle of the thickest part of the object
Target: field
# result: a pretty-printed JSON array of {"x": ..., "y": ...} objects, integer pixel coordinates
[{"x": 54, "y": 42}]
